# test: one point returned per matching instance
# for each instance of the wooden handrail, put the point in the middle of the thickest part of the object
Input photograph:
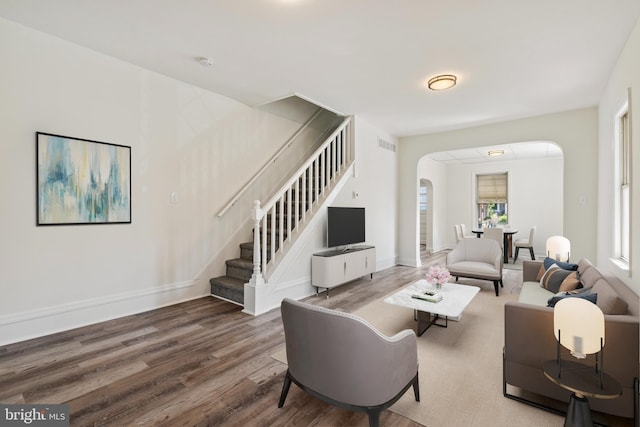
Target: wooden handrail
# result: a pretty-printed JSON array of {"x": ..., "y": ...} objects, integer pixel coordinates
[{"x": 268, "y": 163}]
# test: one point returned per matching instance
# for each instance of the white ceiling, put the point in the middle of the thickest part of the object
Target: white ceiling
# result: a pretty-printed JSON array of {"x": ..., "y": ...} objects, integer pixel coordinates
[
  {"x": 366, "y": 57},
  {"x": 516, "y": 151}
]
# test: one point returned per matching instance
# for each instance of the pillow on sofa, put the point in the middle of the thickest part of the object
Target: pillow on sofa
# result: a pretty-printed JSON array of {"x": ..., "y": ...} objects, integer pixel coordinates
[
  {"x": 562, "y": 295},
  {"x": 563, "y": 265},
  {"x": 553, "y": 278},
  {"x": 571, "y": 282},
  {"x": 609, "y": 301}
]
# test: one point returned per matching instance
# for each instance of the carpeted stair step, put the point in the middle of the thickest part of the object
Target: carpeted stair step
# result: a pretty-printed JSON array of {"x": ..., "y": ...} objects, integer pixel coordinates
[
  {"x": 246, "y": 251},
  {"x": 240, "y": 269},
  {"x": 229, "y": 288}
]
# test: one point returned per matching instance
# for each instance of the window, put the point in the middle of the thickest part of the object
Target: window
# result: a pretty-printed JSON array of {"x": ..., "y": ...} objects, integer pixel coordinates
[
  {"x": 423, "y": 199},
  {"x": 623, "y": 211},
  {"x": 491, "y": 198}
]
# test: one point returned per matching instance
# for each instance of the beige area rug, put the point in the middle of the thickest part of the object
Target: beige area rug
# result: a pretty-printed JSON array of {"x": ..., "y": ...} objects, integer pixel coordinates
[{"x": 461, "y": 365}]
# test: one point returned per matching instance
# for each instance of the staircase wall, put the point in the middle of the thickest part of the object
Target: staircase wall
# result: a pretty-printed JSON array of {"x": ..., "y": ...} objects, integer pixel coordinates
[
  {"x": 371, "y": 183},
  {"x": 235, "y": 225}
]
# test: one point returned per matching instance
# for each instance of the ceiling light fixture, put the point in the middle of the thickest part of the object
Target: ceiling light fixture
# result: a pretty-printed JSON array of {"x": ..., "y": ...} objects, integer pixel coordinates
[
  {"x": 496, "y": 152},
  {"x": 204, "y": 61},
  {"x": 442, "y": 82}
]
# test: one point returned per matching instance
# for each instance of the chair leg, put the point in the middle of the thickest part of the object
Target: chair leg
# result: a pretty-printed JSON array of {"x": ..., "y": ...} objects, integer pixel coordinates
[
  {"x": 285, "y": 389},
  {"x": 495, "y": 285},
  {"x": 501, "y": 283},
  {"x": 533, "y": 256},
  {"x": 416, "y": 388},
  {"x": 374, "y": 418},
  {"x": 515, "y": 257}
]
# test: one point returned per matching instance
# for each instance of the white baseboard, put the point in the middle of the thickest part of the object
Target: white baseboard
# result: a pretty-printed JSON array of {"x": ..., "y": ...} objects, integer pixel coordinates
[
  {"x": 383, "y": 264},
  {"x": 408, "y": 262},
  {"x": 15, "y": 327}
]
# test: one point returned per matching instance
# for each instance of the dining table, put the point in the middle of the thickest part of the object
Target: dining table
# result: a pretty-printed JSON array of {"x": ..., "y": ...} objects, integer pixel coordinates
[{"x": 507, "y": 240}]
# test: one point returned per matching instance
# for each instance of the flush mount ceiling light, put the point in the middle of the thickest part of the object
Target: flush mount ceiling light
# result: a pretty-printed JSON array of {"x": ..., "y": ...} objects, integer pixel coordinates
[
  {"x": 204, "y": 61},
  {"x": 442, "y": 82},
  {"x": 496, "y": 152}
]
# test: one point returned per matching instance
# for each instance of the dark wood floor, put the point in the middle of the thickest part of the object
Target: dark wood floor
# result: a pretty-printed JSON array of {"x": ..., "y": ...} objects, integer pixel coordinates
[{"x": 199, "y": 363}]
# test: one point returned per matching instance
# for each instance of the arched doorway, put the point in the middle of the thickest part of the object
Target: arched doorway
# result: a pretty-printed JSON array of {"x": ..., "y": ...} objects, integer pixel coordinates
[
  {"x": 426, "y": 216},
  {"x": 535, "y": 182}
]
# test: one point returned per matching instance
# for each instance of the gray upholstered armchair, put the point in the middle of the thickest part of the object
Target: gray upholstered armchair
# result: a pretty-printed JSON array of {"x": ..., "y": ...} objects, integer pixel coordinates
[
  {"x": 477, "y": 259},
  {"x": 344, "y": 361}
]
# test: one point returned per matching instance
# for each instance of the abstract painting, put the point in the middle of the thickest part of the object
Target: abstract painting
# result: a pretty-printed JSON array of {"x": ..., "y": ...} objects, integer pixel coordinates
[{"x": 81, "y": 181}]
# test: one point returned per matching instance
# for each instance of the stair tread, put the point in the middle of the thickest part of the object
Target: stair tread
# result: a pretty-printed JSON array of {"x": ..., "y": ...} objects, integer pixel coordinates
[
  {"x": 241, "y": 263},
  {"x": 230, "y": 282}
]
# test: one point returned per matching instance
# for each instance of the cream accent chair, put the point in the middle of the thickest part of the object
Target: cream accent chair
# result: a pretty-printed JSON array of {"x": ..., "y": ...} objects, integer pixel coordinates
[
  {"x": 525, "y": 244},
  {"x": 343, "y": 360},
  {"x": 477, "y": 259}
]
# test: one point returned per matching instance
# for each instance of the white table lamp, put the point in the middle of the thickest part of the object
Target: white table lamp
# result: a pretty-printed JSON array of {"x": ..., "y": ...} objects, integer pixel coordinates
[
  {"x": 558, "y": 248},
  {"x": 579, "y": 326}
]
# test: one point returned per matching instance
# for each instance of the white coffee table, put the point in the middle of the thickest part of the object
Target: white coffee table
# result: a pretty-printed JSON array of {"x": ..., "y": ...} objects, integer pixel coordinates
[{"x": 455, "y": 298}]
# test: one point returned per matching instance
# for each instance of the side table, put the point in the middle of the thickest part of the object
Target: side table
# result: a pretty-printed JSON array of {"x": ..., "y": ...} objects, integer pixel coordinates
[{"x": 583, "y": 382}]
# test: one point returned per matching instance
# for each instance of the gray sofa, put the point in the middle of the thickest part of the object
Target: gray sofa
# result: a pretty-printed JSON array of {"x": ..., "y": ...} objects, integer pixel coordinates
[{"x": 529, "y": 339}]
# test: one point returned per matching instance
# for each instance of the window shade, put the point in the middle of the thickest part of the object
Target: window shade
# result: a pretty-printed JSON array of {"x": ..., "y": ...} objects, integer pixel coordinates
[{"x": 492, "y": 188}]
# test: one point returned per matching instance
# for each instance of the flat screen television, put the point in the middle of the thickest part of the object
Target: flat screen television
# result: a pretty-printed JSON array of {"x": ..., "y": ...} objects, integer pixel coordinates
[{"x": 345, "y": 226}]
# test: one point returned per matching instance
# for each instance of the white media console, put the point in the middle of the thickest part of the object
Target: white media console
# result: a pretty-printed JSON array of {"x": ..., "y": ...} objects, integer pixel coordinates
[{"x": 335, "y": 267}]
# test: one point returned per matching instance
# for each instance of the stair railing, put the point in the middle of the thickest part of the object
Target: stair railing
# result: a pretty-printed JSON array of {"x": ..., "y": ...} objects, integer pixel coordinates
[{"x": 277, "y": 220}]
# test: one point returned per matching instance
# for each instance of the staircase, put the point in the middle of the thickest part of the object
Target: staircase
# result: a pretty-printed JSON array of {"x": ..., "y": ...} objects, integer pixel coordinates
[
  {"x": 279, "y": 221},
  {"x": 240, "y": 270}
]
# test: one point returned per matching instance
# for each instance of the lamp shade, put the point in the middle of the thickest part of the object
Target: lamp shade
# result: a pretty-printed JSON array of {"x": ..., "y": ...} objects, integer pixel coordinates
[
  {"x": 579, "y": 326},
  {"x": 558, "y": 248}
]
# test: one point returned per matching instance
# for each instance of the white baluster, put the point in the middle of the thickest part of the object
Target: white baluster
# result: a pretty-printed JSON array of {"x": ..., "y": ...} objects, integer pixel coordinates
[
  {"x": 297, "y": 203},
  {"x": 257, "y": 215},
  {"x": 304, "y": 195}
]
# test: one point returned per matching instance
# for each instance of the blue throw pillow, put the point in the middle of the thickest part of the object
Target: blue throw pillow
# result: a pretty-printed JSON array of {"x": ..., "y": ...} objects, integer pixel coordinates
[
  {"x": 554, "y": 299},
  {"x": 563, "y": 265}
]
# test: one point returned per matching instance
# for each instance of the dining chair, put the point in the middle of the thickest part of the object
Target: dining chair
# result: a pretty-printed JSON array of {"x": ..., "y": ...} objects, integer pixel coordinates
[
  {"x": 458, "y": 232},
  {"x": 463, "y": 232},
  {"x": 495, "y": 233},
  {"x": 526, "y": 244}
]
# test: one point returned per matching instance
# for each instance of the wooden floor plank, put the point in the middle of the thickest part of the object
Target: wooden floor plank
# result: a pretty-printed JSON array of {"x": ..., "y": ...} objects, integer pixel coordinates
[{"x": 198, "y": 363}]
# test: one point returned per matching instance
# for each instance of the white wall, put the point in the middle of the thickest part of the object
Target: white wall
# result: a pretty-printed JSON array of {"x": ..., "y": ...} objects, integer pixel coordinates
[
  {"x": 375, "y": 180},
  {"x": 626, "y": 74},
  {"x": 574, "y": 131},
  {"x": 184, "y": 139},
  {"x": 376, "y": 183},
  {"x": 535, "y": 197}
]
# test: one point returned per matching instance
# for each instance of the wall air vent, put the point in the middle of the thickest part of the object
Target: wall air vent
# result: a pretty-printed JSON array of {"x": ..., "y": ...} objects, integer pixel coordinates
[{"x": 386, "y": 145}]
